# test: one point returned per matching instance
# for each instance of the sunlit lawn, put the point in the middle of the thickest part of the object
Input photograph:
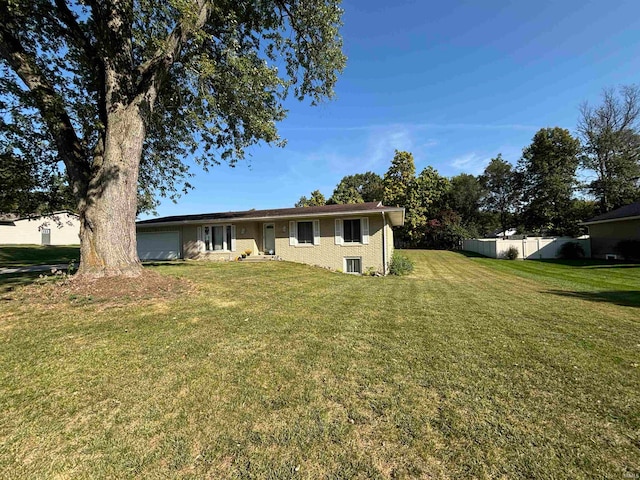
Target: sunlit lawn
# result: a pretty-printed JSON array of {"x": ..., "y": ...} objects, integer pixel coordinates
[{"x": 469, "y": 367}]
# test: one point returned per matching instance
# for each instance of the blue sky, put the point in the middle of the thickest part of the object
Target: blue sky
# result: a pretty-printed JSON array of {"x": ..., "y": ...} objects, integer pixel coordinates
[{"x": 455, "y": 83}]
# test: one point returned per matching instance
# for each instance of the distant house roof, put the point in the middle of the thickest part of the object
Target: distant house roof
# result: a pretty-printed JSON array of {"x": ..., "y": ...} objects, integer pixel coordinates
[
  {"x": 499, "y": 233},
  {"x": 7, "y": 218},
  {"x": 628, "y": 212},
  {"x": 10, "y": 218},
  {"x": 396, "y": 214}
]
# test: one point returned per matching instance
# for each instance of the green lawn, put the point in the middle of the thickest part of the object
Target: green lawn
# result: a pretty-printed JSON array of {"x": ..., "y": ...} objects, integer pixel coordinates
[
  {"x": 25, "y": 255},
  {"x": 468, "y": 368}
]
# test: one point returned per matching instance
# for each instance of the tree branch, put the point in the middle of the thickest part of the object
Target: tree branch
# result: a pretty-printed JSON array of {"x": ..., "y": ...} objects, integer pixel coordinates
[
  {"x": 75, "y": 32},
  {"x": 165, "y": 57},
  {"x": 51, "y": 108},
  {"x": 83, "y": 42}
]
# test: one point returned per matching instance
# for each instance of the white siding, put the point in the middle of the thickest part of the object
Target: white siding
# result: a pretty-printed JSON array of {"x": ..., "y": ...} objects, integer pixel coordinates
[{"x": 64, "y": 228}]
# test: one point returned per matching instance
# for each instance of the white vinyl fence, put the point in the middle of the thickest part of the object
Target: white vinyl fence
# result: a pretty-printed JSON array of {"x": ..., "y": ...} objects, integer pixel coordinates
[{"x": 532, "y": 248}]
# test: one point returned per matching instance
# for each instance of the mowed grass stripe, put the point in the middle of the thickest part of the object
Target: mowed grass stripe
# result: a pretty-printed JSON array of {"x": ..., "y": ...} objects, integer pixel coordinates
[{"x": 278, "y": 370}]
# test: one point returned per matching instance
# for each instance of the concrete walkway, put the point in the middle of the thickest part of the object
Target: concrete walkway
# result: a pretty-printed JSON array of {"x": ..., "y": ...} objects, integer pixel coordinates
[{"x": 33, "y": 268}]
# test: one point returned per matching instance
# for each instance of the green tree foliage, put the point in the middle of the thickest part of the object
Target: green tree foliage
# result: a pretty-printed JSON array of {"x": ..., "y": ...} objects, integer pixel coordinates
[
  {"x": 611, "y": 147},
  {"x": 423, "y": 197},
  {"x": 427, "y": 197},
  {"x": 30, "y": 176},
  {"x": 465, "y": 198},
  {"x": 501, "y": 186},
  {"x": 398, "y": 179},
  {"x": 359, "y": 188},
  {"x": 32, "y": 188},
  {"x": 122, "y": 91},
  {"x": 445, "y": 231},
  {"x": 548, "y": 172},
  {"x": 581, "y": 209},
  {"x": 317, "y": 199}
]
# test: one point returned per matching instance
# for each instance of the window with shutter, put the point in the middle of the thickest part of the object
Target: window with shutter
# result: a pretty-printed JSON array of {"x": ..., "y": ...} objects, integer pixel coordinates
[
  {"x": 305, "y": 233},
  {"x": 364, "y": 222},
  {"x": 338, "y": 232},
  {"x": 352, "y": 230},
  {"x": 316, "y": 232},
  {"x": 293, "y": 233}
]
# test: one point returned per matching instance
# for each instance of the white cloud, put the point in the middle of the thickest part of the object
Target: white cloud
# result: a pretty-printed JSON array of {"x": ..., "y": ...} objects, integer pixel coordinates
[
  {"x": 324, "y": 167},
  {"x": 376, "y": 155},
  {"x": 471, "y": 163}
]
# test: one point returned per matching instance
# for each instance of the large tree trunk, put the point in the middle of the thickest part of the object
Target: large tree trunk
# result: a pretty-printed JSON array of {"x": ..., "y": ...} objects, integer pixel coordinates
[{"x": 108, "y": 213}]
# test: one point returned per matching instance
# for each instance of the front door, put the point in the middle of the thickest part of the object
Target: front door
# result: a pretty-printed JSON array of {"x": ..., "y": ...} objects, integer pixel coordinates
[
  {"x": 269, "y": 239},
  {"x": 46, "y": 236}
]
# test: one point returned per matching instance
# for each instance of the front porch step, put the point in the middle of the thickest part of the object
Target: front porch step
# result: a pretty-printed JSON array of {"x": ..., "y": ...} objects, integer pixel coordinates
[{"x": 260, "y": 258}]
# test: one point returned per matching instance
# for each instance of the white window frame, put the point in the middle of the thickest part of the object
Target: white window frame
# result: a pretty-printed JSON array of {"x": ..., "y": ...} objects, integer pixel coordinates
[
  {"x": 345, "y": 265},
  {"x": 364, "y": 231},
  {"x": 225, "y": 244},
  {"x": 293, "y": 233}
]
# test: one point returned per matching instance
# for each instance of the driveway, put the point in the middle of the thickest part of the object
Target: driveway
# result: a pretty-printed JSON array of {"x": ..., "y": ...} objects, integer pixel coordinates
[{"x": 33, "y": 268}]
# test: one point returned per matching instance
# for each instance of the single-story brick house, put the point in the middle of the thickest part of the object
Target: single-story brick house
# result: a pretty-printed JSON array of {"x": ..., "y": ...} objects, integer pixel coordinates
[
  {"x": 59, "y": 228},
  {"x": 609, "y": 229},
  {"x": 352, "y": 238}
]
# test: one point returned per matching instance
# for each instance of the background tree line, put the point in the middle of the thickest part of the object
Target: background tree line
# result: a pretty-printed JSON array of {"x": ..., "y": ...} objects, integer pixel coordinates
[{"x": 559, "y": 181}]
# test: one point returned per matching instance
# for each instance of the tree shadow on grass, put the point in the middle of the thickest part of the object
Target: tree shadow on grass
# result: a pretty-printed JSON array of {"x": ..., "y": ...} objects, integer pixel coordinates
[
  {"x": 9, "y": 281},
  {"x": 613, "y": 266},
  {"x": 469, "y": 254},
  {"x": 165, "y": 263},
  {"x": 626, "y": 298},
  {"x": 588, "y": 263}
]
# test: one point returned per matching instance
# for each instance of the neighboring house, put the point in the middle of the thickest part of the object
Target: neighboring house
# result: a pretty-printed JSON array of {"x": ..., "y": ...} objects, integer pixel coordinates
[
  {"x": 352, "y": 238},
  {"x": 611, "y": 228},
  {"x": 59, "y": 228},
  {"x": 500, "y": 234}
]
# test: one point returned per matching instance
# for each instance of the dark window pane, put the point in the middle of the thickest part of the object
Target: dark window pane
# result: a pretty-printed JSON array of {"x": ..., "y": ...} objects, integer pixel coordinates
[
  {"x": 228, "y": 237},
  {"x": 352, "y": 231},
  {"x": 305, "y": 232}
]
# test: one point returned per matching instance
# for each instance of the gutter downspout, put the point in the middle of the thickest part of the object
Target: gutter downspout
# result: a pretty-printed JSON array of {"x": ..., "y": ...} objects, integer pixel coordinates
[{"x": 384, "y": 244}]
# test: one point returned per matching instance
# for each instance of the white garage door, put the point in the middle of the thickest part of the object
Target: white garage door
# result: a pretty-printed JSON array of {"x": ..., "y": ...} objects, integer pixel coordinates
[{"x": 159, "y": 246}]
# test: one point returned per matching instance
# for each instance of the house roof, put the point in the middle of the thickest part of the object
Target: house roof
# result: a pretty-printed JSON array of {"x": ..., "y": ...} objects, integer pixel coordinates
[
  {"x": 10, "y": 218},
  {"x": 395, "y": 214},
  {"x": 628, "y": 212}
]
